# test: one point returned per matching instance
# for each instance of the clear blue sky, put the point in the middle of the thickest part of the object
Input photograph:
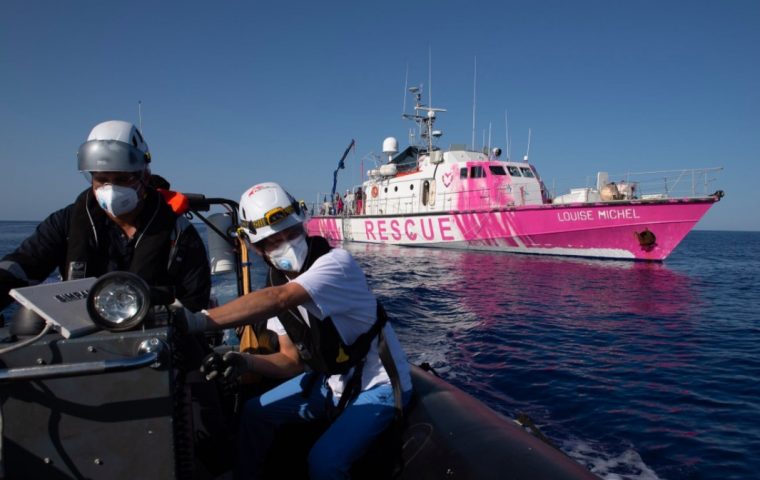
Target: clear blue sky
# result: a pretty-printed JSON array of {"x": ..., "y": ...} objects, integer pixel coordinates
[{"x": 235, "y": 93}]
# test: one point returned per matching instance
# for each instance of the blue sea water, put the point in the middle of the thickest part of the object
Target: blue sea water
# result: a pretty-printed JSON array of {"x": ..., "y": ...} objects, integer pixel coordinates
[{"x": 639, "y": 371}]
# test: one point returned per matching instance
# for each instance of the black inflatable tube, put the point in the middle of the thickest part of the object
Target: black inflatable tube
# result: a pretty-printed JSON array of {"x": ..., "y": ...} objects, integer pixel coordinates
[{"x": 450, "y": 434}]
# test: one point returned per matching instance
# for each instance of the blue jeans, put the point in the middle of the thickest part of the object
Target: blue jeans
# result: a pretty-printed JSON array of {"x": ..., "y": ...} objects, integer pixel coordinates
[{"x": 344, "y": 442}]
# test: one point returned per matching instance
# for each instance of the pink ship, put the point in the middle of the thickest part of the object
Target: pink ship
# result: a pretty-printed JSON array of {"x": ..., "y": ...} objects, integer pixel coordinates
[{"x": 427, "y": 197}]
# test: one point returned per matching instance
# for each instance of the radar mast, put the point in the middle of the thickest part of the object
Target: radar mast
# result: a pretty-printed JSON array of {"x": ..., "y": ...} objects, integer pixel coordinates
[{"x": 424, "y": 117}]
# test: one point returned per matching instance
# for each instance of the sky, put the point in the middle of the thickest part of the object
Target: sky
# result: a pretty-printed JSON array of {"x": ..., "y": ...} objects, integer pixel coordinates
[{"x": 234, "y": 93}]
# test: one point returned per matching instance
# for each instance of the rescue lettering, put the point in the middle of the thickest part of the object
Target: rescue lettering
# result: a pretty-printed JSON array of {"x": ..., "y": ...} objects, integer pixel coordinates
[{"x": 409, "y": 229}]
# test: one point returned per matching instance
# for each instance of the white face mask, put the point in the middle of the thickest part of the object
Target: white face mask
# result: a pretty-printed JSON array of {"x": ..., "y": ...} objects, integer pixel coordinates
[
  {"x": 116, "y": 200},
  {"x": 290, "y": 255}
]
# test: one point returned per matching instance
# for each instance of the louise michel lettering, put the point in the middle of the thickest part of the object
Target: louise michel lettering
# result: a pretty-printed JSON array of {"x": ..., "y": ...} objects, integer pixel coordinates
[{"x": 602, "y": 214}]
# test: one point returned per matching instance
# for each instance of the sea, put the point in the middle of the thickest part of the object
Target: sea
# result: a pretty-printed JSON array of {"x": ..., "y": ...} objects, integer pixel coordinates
[{"x": 636, "y": 370}]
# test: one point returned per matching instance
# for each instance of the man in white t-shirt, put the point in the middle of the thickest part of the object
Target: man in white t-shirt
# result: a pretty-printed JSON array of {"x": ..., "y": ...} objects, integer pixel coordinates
[
  {"x": 355, "y": 367},
  {"x": 350, "y": 203}
]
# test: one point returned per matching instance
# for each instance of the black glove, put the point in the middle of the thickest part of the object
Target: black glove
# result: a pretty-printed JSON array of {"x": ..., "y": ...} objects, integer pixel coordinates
[
  {"x": 236, "y": 364},
  {"x": 230, "y": 366},
  {"x": 186, "y": 321},
  {"x": 212, "y": 366}
]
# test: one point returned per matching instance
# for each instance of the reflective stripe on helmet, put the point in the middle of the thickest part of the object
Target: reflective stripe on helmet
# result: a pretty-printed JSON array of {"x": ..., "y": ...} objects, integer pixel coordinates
[{"x": 272, "y": 217}]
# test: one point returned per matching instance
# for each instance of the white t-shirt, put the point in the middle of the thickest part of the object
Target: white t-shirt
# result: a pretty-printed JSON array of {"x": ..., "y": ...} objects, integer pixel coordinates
[{"x": 339, "y": 290}]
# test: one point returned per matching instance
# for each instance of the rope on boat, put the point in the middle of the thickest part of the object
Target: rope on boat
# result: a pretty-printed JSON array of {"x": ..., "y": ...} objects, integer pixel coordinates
[
  {"x": 522, "y": 418},
  {"x": 429, "y": 368},
  {"x": 526, "y": 422}
]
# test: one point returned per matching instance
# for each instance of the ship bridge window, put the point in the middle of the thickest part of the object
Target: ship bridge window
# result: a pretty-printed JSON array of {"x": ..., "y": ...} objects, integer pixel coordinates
[
  {"x": 527, "y": 172},
  {"x": 477, "y": 172},
  {"x": 463, "y": 172},
  {"x": 497, "y": 170},
  {"x": 514, "y": 171}
]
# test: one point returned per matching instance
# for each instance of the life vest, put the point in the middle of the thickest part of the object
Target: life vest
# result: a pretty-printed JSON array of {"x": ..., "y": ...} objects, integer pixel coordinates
[
  {"x": 154, "y": 251},
  {"x": 319, "y": 344},
  {"x": 178, "y": 201}
]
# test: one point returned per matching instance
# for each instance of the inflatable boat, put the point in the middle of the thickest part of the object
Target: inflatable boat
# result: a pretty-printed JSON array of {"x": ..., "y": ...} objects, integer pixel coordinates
[{"x": 84, "y": 395}]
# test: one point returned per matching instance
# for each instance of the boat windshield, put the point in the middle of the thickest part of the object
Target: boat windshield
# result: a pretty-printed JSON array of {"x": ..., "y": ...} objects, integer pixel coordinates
[
  {"x": 527, "y": 172},
  {"x": 497, "y": 170}
]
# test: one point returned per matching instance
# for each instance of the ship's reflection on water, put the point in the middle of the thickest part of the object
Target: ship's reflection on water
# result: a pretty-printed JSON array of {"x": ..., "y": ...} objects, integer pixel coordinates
[
  {"x": 443, "y": 289},
  {"x": 589, "y": 347}
]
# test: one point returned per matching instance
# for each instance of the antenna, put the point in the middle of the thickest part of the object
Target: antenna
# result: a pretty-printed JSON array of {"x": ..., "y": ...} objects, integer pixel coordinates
[
  {"x": 424, "y": 122},
  {"x": 417, "y": 92},
  {"x": 474, "y": 100},
  {"x": 430, "y": 76},
  {"x": 489, "y": 136},
  {"x": 139, "y": 114},
  {"x": 528, "y": 151},
  {"x": 406, "y": 84},
  {"x": 509, "y": 143}
]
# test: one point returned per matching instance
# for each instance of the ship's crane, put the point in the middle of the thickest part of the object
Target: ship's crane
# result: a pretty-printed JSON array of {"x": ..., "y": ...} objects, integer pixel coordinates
[{"x": 341, "y": 164}]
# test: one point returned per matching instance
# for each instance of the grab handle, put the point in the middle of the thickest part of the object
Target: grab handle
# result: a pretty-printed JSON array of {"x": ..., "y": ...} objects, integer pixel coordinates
[{"x": 150, "y": 350}]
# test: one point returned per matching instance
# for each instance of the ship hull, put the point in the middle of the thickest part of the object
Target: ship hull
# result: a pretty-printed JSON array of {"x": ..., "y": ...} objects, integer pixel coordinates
[{"x": 631, "y": 230}]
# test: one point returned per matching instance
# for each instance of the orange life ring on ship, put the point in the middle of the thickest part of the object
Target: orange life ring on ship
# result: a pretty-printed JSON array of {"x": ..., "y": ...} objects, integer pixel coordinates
[{"x": 374, "y": 191}]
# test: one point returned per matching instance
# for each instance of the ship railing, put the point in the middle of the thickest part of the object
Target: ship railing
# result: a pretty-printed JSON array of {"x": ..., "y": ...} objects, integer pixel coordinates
[
  {"x": 329, "y": 209},
  {"x": 696, "y": 182},
  {"x": 467, "y": 200},
  {"x": 325, "y": 204},
  {"x": 408, "y": 204},
  {"x": 683, "y": 183}
]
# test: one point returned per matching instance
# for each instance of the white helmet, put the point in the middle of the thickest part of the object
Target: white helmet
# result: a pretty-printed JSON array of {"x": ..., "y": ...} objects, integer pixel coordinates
[
  {"x": 266, "y": 209},
  {"x": 114, "y": 146}
]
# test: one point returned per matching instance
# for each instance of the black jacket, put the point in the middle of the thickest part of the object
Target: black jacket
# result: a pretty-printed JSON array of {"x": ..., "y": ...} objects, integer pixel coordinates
[{"x": 47, "y": 248}]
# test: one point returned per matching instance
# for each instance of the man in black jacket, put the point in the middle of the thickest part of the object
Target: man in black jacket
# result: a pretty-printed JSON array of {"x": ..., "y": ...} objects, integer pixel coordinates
[{"x": 120, "y": 223}]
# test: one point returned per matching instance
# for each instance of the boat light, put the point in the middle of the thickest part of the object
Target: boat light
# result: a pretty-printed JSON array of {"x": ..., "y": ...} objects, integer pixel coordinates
[{"x": 118, "y": 301}]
